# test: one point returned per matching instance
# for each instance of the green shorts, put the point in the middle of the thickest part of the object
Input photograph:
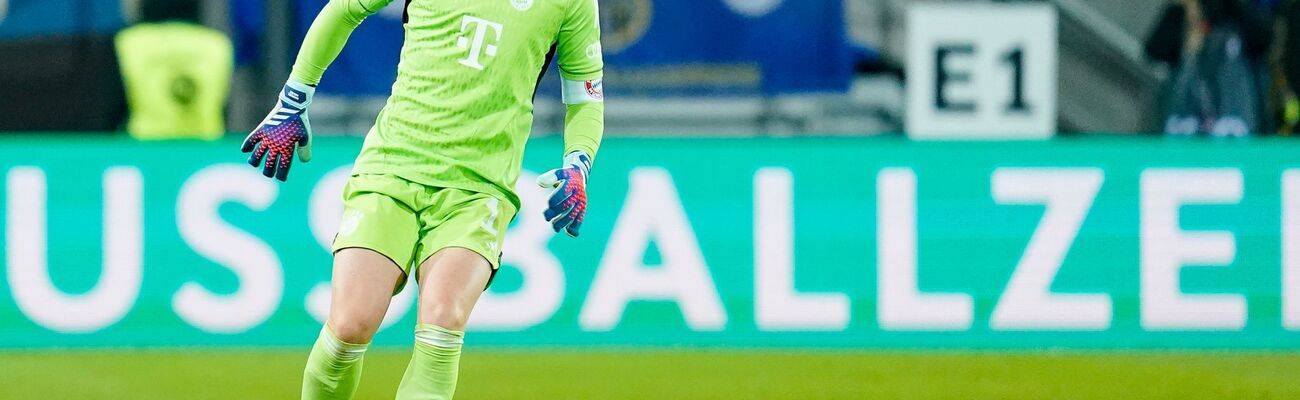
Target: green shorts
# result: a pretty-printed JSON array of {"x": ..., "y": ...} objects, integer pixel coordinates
[{"x": 409, "y": 222}]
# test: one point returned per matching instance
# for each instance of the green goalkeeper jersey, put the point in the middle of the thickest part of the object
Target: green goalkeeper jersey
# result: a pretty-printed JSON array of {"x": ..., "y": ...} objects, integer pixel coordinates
[{"x": 461, "y": 109}]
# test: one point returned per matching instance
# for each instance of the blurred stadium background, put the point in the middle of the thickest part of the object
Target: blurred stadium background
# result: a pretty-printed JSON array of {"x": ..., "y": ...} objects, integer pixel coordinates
[{"x": 796, "y": 199}]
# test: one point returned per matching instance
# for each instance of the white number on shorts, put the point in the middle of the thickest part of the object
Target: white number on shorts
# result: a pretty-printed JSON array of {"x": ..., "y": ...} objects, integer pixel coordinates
[{"x": 490, "y": 225}]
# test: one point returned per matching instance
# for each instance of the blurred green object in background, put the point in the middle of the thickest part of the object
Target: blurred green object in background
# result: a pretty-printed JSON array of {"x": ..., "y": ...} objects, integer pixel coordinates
[{"x": 671, "y": 374}]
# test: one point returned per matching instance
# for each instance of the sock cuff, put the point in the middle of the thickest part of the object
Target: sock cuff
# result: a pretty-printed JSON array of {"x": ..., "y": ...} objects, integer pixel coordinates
[
  {"x": 341, "y": 350},
  {"x": 438, "y": 336}
]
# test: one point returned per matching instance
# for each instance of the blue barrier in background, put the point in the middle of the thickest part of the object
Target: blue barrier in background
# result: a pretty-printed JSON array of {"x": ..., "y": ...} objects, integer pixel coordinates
[
  {"x": 653, "y": 47},
  {"x": 688, "y": 46},
  {"x": 28, "y": 18}
]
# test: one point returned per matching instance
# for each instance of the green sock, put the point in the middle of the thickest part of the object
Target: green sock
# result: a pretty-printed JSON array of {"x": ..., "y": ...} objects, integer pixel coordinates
[
  {"x": 333, "y": 369},
  {"x": 432, "y": 372}
]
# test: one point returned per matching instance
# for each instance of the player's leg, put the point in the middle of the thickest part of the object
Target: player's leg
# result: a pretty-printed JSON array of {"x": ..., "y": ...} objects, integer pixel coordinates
[
  {"x": 450, "y": 283},
  {"x": 361, "y": 288},
  {"x": 461, "y": 250},
  {"x": 377, "y": 237}
]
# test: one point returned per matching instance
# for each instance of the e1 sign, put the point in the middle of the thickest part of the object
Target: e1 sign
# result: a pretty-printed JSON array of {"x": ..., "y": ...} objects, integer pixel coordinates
[{"x": 981, "y": 71}]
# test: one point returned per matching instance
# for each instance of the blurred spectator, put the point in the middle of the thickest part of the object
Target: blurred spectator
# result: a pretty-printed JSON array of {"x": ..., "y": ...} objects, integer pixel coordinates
[
  {"x": 1216, "y": 51},
  {"x": 176, "y": 72}
]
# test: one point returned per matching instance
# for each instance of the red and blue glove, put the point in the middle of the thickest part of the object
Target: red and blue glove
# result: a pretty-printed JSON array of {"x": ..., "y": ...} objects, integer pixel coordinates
[
  {"x": 283, "y": 132},
  {"x": 568, "y": 204}
]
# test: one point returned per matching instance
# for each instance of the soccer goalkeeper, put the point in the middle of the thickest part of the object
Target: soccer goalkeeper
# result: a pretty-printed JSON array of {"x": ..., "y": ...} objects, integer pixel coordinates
[{"x": 431, "y": 192}]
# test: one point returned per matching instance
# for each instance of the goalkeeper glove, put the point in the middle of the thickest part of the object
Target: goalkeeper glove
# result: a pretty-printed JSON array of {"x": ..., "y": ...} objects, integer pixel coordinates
[
  {"x": 568, "y": 204},
  {"x": 283, "y": 131}
]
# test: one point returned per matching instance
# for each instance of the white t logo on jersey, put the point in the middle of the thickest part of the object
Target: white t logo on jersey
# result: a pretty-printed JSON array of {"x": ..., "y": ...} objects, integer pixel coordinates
[{"x": 474, "y": 32}]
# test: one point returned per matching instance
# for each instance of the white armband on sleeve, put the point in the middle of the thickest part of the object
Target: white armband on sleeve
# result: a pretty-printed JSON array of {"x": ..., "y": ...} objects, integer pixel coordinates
[{"x": 579, "y": 92}]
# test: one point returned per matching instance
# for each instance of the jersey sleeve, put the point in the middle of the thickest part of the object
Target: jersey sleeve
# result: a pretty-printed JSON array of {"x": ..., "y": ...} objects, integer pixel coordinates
[
  {"x": 582, "y": 68},
  {"x": 328, "y": 34},
  {"x": 578, "y": 45}
]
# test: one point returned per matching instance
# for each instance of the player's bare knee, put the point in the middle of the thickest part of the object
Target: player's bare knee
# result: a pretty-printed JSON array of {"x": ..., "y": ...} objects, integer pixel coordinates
[
  {"x": 445, "y": 314},
  {"x": 352, "y": 330}
]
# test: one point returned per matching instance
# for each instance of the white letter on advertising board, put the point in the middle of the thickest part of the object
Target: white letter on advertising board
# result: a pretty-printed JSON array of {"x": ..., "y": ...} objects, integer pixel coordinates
[
  {"x": 1166, "y": 248},
  {"x": 255, "y": 265},
  {"x": 28, "y": 268},
  {"x": 652, "y": 211},
  {"x": 1028, "y": 302},
  {"x": 1291, "y": 249},
  {"x": 777, "y": 305},
  {"x": 902, "y": 305}
]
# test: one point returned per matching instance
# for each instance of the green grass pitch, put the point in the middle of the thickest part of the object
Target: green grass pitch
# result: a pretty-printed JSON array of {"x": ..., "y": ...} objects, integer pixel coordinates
[{"x": 670, "y": 374}]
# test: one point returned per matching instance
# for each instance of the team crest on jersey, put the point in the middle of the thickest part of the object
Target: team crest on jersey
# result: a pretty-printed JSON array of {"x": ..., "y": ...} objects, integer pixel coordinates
[{"x": 522, "y": 5}]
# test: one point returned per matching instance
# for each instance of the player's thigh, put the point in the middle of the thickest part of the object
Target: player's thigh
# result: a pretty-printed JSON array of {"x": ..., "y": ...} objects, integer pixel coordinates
[
  {"x": 378, "y": 214},
  {"x": 450, "y": 283},
  {"x": 376, "y": 241},
  {"x": 467, "y": 220},
  {"x": 360, "y": 289},
  {"x": 461, "y": 249}
]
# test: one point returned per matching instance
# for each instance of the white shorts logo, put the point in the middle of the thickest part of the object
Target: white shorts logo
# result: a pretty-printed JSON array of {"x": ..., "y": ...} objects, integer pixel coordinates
[
  {"x": 351, "y": 221},
  {"x": 522, "y": 5}
]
